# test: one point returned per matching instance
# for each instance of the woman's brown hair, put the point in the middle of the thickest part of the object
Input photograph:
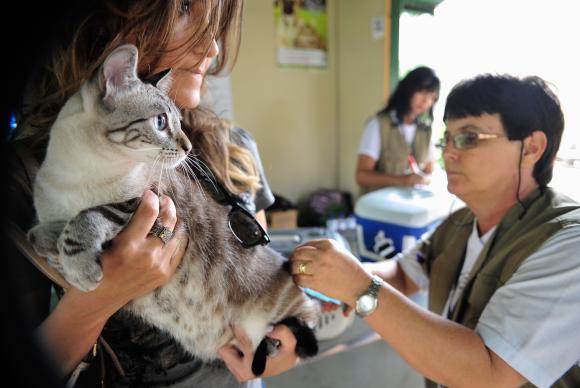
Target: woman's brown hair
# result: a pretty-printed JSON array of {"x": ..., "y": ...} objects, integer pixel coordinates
[{"x": 96, "y": 27}]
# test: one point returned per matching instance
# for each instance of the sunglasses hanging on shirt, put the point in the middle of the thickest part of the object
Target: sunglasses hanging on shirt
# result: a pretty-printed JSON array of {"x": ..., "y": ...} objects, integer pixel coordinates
[{"x": 242, "y": 223}]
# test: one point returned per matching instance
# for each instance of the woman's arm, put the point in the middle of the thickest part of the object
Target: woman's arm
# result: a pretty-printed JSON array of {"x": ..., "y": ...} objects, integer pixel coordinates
[
  {"x": 441, "y": 350},
  {"x": 391, "y": 272},
  {"x": 135, "y": 264},
  {"x": 369, "y": 178}
]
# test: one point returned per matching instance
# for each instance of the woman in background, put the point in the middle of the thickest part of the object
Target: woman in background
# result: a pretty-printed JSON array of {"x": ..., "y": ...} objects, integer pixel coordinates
[{"x": 396, "y": 147}]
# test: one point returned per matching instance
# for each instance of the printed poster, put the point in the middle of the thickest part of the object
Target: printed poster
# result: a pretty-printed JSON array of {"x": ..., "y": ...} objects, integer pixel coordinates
[{"x": 301, "y": 34}]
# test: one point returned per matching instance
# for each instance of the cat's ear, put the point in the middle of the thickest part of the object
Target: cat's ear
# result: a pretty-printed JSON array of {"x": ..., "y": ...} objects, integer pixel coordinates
[
  {"x": 119, "y": 71},
  {"x": 164, "y": 84}
]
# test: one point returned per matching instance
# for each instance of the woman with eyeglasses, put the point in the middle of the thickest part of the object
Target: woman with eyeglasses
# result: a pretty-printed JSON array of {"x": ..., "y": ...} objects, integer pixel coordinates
[
  {"x": 503, "y": 273},
  {"x": 192, "y": 39},
  {"x": 396, "y": 147}
]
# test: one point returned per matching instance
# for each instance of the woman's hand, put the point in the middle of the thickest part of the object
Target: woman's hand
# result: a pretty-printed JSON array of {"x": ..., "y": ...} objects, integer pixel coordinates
[
  {"x": 239, "y": 359},
  {"x": 325, "y": 267},
  {"x": 416, "y": 179},
  {"x": 137, "y": 262}
]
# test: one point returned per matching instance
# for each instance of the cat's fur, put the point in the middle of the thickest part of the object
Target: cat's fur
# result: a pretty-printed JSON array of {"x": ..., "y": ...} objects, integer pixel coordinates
[{"x": 104, "y": 151}]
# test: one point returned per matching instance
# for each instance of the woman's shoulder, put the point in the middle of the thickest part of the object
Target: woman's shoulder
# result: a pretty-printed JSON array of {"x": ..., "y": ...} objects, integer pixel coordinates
[
  {"x": 389, "y": 117},
  {"x": 264, "y": 196},
  {"x": 243, "y": 137}
]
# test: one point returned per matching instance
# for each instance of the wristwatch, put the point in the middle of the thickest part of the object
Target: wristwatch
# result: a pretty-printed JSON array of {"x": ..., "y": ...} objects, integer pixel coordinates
[{"x": 367, "y": 302}]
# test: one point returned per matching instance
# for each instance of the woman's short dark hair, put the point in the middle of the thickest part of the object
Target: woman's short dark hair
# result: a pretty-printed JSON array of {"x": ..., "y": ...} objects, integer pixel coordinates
[
  {"x": 419, "y": 79},
  {"x": 524, "y": 105}
]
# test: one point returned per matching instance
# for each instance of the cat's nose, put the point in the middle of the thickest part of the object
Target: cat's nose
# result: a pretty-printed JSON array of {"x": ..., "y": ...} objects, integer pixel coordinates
[{"x": 185, "y": 144}]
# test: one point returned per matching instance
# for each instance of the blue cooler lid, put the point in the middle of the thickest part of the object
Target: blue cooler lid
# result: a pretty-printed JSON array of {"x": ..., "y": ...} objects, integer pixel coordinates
[{"x": 406, "y": 206}]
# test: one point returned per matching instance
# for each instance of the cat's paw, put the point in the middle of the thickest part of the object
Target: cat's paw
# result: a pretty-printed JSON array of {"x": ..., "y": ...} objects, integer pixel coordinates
[
  {"x": 80, "y": 258},
  {"x": 44, "y": 237},
  {"x": 82, "y": 270}
]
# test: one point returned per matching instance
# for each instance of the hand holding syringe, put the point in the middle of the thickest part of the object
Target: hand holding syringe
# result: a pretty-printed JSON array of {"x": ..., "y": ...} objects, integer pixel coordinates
[{"x": 417, "y": 171}]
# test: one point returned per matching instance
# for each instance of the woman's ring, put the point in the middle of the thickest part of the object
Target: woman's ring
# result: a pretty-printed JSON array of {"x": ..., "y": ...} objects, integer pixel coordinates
[
  {"x": 302, "y": 268},
  {"x": 163, "y": 232}
]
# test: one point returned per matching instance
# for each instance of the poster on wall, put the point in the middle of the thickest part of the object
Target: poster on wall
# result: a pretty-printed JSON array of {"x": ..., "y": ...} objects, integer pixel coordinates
[{"x": 300, "y": 32}]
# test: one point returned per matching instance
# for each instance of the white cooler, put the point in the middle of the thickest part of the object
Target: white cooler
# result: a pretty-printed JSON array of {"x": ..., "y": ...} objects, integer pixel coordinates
[{"x": 392, "y": 219}]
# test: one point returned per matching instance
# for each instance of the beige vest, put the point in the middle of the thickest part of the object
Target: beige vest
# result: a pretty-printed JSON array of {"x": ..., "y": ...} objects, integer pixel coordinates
[
  {"x": 394, "y": 148},
  {"x": 516, "y": 237}
]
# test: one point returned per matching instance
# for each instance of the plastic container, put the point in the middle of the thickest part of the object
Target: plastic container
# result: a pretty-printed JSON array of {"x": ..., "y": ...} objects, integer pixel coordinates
[
  {"x": 392, "y": 219},
  {"x": 285, "y": 240}
]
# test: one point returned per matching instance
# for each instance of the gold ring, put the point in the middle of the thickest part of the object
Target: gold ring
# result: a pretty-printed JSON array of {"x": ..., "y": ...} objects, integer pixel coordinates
[{"x": 302, "y": 268}]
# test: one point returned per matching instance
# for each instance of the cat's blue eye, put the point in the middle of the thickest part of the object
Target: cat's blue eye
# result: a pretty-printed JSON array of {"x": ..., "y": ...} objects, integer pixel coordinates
[
  {"x": 185, "y": 7},
  {"x": 160, "y": 122}
]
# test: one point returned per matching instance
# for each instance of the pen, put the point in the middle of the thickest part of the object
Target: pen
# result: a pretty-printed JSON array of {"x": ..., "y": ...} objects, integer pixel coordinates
[{"x": 413, "y": 164}]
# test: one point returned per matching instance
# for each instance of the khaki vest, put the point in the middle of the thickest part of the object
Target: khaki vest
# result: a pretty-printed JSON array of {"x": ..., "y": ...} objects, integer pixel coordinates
[
  {"x": 516, "y": 237},
  {"x": 394, "y": 148}
]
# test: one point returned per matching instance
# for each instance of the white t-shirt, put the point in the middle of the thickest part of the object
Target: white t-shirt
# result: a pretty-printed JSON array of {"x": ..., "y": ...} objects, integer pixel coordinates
[
  {"x": 370, "y": 142},
  {"x": 533, "y": 321}
]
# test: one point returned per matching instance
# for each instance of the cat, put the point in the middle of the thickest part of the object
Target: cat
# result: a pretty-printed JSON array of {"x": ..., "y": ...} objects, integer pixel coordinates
[{"x": 109, "y": 143}]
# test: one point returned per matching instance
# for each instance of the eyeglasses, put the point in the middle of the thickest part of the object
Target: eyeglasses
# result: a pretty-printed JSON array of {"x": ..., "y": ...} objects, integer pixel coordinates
[
  {"x": 466, "y": 140},
  {"x": 243, "y": 225}
]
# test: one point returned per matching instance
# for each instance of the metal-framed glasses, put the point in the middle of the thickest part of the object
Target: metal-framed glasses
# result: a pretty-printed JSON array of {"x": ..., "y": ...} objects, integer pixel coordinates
[
  {"x": 242, "y": 223},
  {"x": 466, "y": 140}
]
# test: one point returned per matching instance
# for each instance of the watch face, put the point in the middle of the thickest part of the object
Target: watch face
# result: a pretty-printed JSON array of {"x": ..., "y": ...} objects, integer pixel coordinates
[{"x": 365, "y": 304}]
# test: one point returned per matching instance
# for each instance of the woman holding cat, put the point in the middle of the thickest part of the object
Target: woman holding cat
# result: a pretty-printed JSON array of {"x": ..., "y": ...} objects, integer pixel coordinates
[{"x": 181, "y": 36}]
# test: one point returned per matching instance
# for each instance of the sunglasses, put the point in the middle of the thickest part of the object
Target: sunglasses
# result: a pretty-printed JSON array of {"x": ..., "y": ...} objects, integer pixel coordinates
[
  {"x": 466, "y": 140},
  {"x": 243, "y": 224}
]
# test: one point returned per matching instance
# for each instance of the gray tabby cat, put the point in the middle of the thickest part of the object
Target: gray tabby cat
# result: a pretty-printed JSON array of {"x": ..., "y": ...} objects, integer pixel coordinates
[{"x": 111, "y": 141}]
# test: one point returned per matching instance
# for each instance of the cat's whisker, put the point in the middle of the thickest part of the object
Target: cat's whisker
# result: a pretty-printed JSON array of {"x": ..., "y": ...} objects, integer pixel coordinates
[
  {"x": 164, "y": 175},
  {"x": 182, "y": 167},
  {"x": 195, "y": 167},
  {"x": 207, "y": 170},
  {"x": 199, "y": 166},
  {"x": 199, "y": 187},
  {"x": 173, "y": 177},
  {"x": 189, "y": 165},
  {"x": 188, "y": 174},
  {"x": 144, "y": 149},
  {"x": 193, "y": 161},
  {"x": 159, "y": 186},
  {"x": 152, "y": 170}
]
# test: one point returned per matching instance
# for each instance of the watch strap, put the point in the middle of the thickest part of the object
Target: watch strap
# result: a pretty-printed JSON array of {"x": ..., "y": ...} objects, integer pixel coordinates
[{"x": 375, "y": 285}]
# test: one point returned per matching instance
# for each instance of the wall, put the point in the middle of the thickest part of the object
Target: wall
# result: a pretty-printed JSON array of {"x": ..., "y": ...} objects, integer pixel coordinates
[
  {"x": 360, "y": 80},
  {"x": 307, "y": 122}
]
